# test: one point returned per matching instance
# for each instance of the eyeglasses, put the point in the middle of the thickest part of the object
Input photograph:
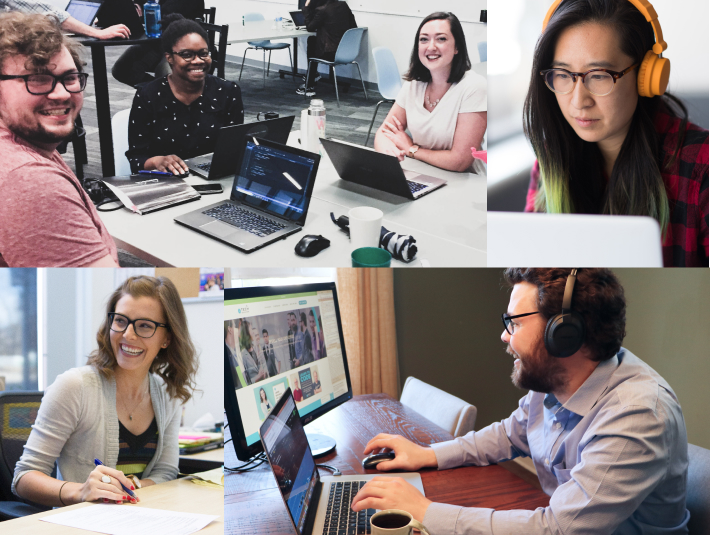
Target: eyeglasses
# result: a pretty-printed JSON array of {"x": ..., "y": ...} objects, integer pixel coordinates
[
  {"x": 189, "y": 55},
  {"x": 508, "y": 321},
  {"x": 44, "y": 84},
  {"x": 600, "y": 83},
  {"x": 143, "y": 328}
]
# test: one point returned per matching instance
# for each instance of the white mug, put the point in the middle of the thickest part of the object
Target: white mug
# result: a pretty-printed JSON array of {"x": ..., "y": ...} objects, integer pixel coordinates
[
  {"x": 395, "y": 522},
  {"x": 365, "y": 224}
]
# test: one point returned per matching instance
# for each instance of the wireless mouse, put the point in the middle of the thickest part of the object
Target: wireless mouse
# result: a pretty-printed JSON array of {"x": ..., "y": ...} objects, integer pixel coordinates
[
  {"x": 311, "y": 245},
  {"x": 373, "y": 460}
]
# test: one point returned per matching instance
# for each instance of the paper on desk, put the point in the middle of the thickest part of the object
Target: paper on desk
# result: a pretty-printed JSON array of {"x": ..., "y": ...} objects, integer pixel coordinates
[{"x": 127, "y": 520}]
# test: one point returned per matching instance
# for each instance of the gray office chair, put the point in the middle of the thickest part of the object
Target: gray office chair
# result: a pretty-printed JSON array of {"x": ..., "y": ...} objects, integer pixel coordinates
[
  {"x": 448, "y": 412},
  {"x": 698, "y": 490}
]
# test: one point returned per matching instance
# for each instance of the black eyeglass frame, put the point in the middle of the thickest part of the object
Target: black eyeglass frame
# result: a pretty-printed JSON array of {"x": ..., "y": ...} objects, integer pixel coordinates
[
  {"x": 615, "y": 75},
  {"x": 507, "y": 319},
  {"x": 112, "y": 315},
  {"x": 83, "y": 79},
  {"x": 192, "y": 54}
]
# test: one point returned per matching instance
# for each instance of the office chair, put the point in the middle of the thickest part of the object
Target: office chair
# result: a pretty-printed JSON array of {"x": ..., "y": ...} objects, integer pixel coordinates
[
  {"x": 209, "y": 14},
  {"x": 263, "y": 45},
  {"x": 448, "y": 412},
  {"x": 389, "y": 82},
  {"x": 697, "y": 498},
  {"x": 218, "y": 50},
  {"x": 119, "y": 130},
  {"x": 78, "y": 141},
  {"x": 18, "y": 411},
  {"x": 483, "y": 51},
  {"x": 347, "y": 51}
]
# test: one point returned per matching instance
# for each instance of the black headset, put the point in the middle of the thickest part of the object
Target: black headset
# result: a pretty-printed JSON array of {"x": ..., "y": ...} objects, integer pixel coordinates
[{"x": 564, "y": 333}]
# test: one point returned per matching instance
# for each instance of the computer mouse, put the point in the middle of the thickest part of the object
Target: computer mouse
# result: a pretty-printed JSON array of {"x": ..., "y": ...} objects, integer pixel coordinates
[
  {"x": 311, "y": 245},
  {"x": 369, "y": 463}
]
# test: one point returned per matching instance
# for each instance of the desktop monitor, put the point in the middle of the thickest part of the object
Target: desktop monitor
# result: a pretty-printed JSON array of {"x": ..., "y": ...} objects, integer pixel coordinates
[{"x": 280, "y": 337}]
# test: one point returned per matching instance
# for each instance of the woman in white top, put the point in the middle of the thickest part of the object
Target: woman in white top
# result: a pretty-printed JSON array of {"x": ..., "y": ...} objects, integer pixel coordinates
[{"x": 443, "y": 102}]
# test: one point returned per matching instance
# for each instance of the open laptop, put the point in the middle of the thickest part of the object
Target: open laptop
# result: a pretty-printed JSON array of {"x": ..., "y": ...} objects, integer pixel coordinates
[
  {"x": 298, "y": 18},
  {"x": 367, "y": 167},
  {"x": 569, "y": 240},
  {"x": 269, "y": 199},
  {"x": 84, "y": 10},
  {"x": 227, "y": 155},
  {"x": 308, "y": 497}
]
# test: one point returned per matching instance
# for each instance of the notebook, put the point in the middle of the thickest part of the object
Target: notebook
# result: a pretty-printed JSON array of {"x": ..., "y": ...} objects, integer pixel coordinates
[
  {"x": 309, "y": 498},
  {"x": 269, "y": 198}
]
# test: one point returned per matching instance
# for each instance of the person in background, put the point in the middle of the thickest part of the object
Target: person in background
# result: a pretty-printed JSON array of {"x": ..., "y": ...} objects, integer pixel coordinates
[
  {"x": 313, "y": 345},
  {"x": 300, "y": 340},
  {"x": 297, "y": 393},
  {"x": 273, "y": 365},
  {"x": 292, "y": 330},
  {"x": 443, "y": 103},
  {"x": 47, "y": 219},
  {"x": 179, "y": 116},
  {"x": 317, "y": 388},
  {"x": 229, "y": 351},
  {"x": 253, "y": 372},
  {"x": 330, "y": 19},
  {"x": 265, "y": 405},
  {"x": 124, "y": 407}
]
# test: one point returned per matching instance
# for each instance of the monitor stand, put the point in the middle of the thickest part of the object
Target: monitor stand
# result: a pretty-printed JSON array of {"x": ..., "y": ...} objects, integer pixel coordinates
[{"x": 320, "y": 444}]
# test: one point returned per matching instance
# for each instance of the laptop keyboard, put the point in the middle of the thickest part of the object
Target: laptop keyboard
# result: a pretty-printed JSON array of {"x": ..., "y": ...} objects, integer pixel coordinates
[
  {"x": 204, "y": 166},
  {"x": 415, "y": 186},
  {"x": 245, "y": 219},
  {"x": 339, "y": 519}
]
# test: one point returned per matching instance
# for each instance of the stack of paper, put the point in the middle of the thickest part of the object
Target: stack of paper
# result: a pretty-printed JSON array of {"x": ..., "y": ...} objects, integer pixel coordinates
[{"x": 196, "y": 442}]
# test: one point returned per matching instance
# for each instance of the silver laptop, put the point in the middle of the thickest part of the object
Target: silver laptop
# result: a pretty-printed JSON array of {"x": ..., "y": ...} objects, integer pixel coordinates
[
  {"x": 569, "y": 240},
  {"x": 84, "y": 10},
  {"x": 308, "y": 497},
  {"x": 367, "y": 167},
  {"x": 269, "y": 199}
]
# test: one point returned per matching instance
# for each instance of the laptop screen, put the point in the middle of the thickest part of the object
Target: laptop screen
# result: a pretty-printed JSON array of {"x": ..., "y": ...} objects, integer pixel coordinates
[
  {"x": 289, "y": 454},
  {"x": 278, "y": 180},
  {"x": 298, "y": 17},
  {"x": 83, "y": 10}
]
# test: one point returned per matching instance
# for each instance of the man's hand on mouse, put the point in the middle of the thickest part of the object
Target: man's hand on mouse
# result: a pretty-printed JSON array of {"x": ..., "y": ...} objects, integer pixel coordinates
[
  {"x": 391, "y": 493},
  {"x": 409, "y": 456}
]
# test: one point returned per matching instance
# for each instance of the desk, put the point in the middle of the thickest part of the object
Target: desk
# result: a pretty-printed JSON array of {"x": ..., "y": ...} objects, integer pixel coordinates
[
  {"x": 103, "y": 106},
  {"x": 352, "y": 425},
  {"x": 177, "y": 495},
  {"x": 201, "y": 462},
  {"x": 449, "y": 224}
]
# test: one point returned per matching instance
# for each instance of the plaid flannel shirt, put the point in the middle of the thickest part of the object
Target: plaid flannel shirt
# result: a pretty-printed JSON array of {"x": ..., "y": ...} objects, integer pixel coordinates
[
  {"x": 31, "y": 6},
  {"x": 686, "y": 242}
]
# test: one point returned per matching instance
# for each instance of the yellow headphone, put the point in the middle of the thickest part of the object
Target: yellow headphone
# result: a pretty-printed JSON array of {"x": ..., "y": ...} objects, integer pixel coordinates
[{"x": 655, "y": 70}]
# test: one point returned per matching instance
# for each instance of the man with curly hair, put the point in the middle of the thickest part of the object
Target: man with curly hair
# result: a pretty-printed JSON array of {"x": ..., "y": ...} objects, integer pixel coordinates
[
  {"x": 47, "y": 219},
  {"x": 605, "y": 431}
]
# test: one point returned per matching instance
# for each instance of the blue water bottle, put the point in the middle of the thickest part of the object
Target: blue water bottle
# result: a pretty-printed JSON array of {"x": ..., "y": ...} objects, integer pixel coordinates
[{"x": 151, "y": 13}]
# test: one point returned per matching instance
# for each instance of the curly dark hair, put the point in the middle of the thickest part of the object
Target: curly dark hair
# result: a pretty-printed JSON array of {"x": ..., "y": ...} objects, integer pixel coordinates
[
  {"x": 176, "y": 28},
  {"x": 598, "y": 296}
]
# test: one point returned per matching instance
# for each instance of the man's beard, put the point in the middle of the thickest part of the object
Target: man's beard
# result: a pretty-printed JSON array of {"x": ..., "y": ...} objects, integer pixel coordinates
[
  {"x": 36, "y": 133},
  {"x": 539, "y": 371}
]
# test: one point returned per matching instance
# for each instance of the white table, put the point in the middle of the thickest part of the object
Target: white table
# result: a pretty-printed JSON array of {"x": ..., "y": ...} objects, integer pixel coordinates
[{"x": 449, "y": 225}]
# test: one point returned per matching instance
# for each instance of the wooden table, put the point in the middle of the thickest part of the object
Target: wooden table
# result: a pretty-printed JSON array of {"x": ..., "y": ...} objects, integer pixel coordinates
[
  {"x": 177, "y": 495},
  {"x": 253, "y": 506}
]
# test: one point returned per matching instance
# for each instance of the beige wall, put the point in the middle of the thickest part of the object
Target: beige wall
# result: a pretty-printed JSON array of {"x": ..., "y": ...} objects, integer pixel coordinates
[{"x": 448, "y": 334}]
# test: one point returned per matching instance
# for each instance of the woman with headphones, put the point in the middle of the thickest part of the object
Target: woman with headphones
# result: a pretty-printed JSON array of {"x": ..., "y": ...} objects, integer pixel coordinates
[{"x": 607, "y": 136}]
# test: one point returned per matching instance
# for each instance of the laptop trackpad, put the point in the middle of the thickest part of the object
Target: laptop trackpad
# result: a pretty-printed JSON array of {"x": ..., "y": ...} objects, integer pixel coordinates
[{"x": 219, "y": 229}]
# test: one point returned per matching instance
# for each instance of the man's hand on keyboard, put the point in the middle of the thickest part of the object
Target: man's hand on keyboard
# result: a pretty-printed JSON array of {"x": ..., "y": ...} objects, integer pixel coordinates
[{"x": 391, "y": 493}]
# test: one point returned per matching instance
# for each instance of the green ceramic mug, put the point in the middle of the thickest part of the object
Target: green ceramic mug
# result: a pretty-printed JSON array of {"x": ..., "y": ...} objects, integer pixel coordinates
[{"x": 372, "y": 257}]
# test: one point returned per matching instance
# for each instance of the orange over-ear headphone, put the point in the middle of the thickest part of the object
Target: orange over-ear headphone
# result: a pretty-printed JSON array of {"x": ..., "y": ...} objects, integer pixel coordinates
[{"x": 655, "y": 70}]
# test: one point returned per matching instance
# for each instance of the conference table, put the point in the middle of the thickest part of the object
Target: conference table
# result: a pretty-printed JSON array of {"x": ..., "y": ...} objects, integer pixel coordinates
[
  {"x": 253, "y": 505},
  {"x": 449, "y": 224}
]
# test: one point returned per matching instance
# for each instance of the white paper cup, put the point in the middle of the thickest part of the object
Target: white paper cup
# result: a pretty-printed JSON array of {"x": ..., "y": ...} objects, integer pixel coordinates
[{"x": 365, "y": 225}]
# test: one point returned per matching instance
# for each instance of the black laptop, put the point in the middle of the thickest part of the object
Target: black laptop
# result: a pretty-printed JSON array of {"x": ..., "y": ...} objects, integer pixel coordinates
[
  {"x": 298, "y": 18},
  {"x": 316, "y": 506},
  {"x": 367, "y": 167},
  {"x": 227, "y": 155},
  {"x": 269, "y": 199}
]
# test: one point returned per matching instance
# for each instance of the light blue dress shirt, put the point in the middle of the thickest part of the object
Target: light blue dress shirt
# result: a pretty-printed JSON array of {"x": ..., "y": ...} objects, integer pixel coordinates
[{"x": 613, "y": 458}]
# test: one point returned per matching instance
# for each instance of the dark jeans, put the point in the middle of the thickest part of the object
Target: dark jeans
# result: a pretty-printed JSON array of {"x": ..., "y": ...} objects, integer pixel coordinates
[
  {"x": 313, "y": 52},
  {"x": 137, "y": 61}
]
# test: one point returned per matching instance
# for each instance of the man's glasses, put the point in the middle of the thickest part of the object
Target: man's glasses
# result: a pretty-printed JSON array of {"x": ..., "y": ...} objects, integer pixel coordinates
[
  {"x": 143, "y": 328},
  {"x": 508, "y": 321},
  {"x": 599, "y": 82},
  {"x": 44, "y": 84},
  {"x": 189, "y": 55}
]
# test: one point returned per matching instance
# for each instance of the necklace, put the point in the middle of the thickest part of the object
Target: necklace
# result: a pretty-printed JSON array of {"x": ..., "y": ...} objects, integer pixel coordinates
[
  {"x": 130, "y": 413},
  {"x": 429, "y": 102}
]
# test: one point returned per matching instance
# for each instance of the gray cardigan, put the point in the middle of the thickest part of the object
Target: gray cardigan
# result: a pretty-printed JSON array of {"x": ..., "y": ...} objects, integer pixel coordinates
[{"x": 77, "y": 423}]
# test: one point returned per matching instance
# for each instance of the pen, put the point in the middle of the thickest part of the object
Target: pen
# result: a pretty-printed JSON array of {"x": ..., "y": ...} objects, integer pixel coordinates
[
  {"x": 130, "y": 493},
  {"x": 144, "y": 172}
]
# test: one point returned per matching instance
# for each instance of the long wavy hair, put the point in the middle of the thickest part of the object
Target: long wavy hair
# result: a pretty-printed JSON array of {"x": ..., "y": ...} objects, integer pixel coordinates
[
  {"x": 571, "y": 179},
  {"x": 175, "y": 364}
]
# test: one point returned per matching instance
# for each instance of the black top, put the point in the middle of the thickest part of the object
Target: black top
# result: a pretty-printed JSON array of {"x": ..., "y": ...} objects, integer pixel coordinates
[
  {"x": 136, "y": 451},
  {"x": 160, "y": 124},
  {"x": 330, "y": 20}
]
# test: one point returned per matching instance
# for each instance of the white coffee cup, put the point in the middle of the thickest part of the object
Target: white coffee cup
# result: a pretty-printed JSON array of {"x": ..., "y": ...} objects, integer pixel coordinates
[
  {"x": 365, "y": 225},
  {"x": 394, "y": 522}
]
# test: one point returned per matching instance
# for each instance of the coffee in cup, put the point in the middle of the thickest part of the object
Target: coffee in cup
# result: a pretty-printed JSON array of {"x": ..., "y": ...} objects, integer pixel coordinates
[{"x": 394, "y": 522}]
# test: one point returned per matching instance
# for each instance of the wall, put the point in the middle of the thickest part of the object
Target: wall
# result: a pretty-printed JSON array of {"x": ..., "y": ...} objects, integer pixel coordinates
[
  {"x": 449, "y": 327},
  {"x": 379, "y": 21}
]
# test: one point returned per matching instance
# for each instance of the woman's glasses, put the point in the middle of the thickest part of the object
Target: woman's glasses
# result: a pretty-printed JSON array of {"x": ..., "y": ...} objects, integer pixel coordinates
[
  {"x": 599, "y": 82},
  {"x": 143, "y": 328},
  {"x": 189, "y": 55}
]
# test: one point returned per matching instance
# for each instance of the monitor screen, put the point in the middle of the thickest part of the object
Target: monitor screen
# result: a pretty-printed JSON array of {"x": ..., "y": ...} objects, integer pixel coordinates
[{"x": 278, "y": 338}]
